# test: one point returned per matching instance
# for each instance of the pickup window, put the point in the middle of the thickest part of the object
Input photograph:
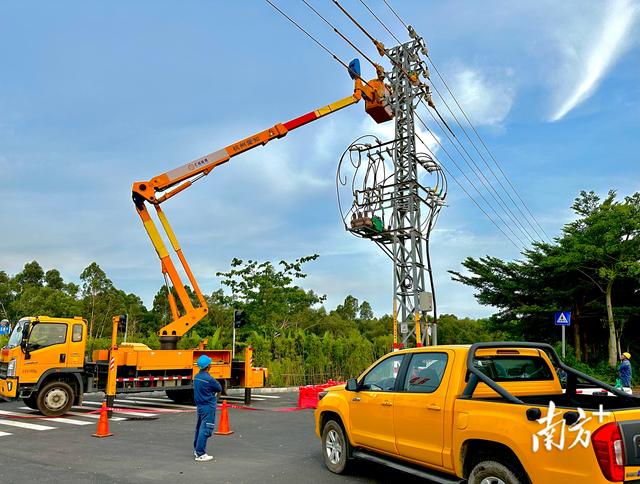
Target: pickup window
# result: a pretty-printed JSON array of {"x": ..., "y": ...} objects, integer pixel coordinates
[
  {"x": 513, "y": 368},
  {"x": 425, "y": 372},
  {"x": 382, "y": 377}
]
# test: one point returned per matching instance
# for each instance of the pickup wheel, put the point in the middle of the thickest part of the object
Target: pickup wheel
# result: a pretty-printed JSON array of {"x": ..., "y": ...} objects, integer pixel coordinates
[
  {"x": 55, "y": 398},
  {"x": 336, "y": 449},
  {"x": 492, "y": 472}
]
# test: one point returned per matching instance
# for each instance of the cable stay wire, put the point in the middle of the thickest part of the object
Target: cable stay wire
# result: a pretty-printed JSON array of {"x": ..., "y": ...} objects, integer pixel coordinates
[
  {"x": 474, "y": 130},
  {"x": 475, "y": 168}
]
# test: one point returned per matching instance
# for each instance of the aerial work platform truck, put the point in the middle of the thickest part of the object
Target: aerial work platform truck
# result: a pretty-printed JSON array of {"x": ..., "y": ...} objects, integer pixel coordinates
[{"x": 44, "y": 362}]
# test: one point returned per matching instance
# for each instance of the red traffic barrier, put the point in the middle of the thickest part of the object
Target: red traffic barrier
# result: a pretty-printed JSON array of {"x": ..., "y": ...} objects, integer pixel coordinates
[{"x": 308, "y": 394}]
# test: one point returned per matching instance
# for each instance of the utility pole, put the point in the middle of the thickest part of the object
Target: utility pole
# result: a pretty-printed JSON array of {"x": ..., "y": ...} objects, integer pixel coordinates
[
  {"x": 408, "y": 262},
  {"x": 396, "y": 210}
]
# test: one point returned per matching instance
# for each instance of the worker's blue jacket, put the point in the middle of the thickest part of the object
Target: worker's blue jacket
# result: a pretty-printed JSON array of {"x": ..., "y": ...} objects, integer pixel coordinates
[
  {"x": 625, "y": 373},
  {"x": 205, "y": 388}
]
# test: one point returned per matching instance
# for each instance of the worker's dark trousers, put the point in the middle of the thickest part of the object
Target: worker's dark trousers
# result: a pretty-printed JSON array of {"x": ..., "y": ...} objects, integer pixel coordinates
[{"x": 205, "y": 425}]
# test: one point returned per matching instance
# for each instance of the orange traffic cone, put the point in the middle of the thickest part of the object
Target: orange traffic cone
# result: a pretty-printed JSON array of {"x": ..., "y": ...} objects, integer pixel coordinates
[
  {"x": 103, "y": 423},
  {"x": 224, "y": 421}
]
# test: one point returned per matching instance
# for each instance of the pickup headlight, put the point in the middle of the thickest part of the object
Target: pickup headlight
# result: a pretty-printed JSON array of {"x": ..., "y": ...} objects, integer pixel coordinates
[{"x": 11, "y": 368}]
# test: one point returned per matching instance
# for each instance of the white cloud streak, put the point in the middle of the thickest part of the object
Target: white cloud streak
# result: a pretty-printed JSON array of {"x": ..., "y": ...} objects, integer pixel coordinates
[
  {"x": 487, "y": 100},
  {"x": 601, "y": 53}
]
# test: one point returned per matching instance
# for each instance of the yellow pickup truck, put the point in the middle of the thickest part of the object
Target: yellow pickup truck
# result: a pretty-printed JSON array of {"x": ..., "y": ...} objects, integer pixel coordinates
[{"x": 489, "y": 413}]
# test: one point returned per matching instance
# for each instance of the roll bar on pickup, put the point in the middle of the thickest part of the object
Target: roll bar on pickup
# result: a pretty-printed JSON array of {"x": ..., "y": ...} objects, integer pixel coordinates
[{"x": 476, "y": 376}]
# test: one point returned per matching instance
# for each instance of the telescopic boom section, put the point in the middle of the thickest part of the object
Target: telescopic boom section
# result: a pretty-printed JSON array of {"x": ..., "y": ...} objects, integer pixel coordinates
[{"x": 164, "y": 186}]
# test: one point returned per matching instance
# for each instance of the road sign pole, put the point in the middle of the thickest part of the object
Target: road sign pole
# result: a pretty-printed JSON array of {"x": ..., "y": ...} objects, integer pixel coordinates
[{"x": 563, "y": 342}]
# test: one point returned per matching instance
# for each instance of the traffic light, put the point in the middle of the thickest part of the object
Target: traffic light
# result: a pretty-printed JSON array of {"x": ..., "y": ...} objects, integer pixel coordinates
[
  {"x": 239, "y": 318},
  {"x": 122, "y": 323}
]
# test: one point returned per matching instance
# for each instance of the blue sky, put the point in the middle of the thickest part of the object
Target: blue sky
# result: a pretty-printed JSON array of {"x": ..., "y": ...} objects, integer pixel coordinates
[{"x": 97, "y": 95}]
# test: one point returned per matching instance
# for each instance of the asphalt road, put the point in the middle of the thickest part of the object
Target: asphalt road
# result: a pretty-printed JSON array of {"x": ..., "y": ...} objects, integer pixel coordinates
[{"x": 155, "y": 444}]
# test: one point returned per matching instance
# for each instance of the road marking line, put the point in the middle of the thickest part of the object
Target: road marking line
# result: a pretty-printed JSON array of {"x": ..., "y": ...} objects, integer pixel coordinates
[
  {"x": 123, "y": 412},
  {"x": 241, "y": 398},
  {"x": 260, "y": 395},
  {"x": 24, "y": 425},
  {"x": 2, "y": 434},
  {"x": 147, "y": 401},
  {"x": 94, "y": 416},
  {"x": 48, "y": 419}
]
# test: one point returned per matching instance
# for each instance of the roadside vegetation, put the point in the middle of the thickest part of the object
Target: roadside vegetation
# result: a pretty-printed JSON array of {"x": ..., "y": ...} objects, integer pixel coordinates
[{"x": 592, "y": 269}]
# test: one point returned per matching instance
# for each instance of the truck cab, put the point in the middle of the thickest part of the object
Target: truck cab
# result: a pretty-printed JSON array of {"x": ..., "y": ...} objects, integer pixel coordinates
[{"x": 43, "y": 363}]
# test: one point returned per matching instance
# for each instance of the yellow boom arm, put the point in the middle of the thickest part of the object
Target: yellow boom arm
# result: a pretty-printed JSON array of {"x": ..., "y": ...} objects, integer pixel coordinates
[{"x": 164, "y": 186}]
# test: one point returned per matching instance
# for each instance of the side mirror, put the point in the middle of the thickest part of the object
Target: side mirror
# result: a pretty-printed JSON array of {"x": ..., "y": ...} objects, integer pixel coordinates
[
  {"x": 352, "y": 385},
  {"x": 25, "y": 338}
]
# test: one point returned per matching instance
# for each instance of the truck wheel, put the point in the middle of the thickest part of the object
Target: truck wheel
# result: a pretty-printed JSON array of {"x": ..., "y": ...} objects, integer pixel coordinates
[
  {"x": 492, "y": 472},
  {"x": 32, "y": 401},
  {"x": 55, "y": 398},
  {"x": 336, "y": 449},
  {"x": 180, "y": 396}
]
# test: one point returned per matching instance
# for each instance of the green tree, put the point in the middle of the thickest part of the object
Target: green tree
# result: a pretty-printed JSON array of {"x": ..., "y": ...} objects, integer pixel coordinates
[
  {"x": 98, "y": 298},
  {"x": 31, "y": 275},
  {"x": 603, "y": 245},
  {"x": 271, "y": 300},
  {"x": 53, "y": 279},
  {"x": 577, "y": 272}
]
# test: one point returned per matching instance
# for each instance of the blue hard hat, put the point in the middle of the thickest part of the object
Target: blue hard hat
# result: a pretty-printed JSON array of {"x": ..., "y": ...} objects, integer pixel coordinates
[{"x": 203, "y": 361}]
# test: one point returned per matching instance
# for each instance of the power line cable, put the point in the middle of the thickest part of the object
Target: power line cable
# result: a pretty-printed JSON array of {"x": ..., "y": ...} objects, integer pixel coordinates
[
  {"x": 474, "y": 129},
  {"x": 335, "y": 57},
  {"x": 469, "y": 181},
  {"x": 477, "y": 171},
  {"x": 463, "y": 188}
]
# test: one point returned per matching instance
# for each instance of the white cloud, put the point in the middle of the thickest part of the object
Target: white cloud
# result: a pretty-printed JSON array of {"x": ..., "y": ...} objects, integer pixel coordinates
[
  {"x": 588, "y": 57},
  {"x": 487, "y": 99}
]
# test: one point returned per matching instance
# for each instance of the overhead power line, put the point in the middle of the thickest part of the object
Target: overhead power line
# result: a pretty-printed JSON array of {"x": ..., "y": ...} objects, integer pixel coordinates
[
  {"x": 404, "y": 24},
  {"x": 469, "y": 161}
]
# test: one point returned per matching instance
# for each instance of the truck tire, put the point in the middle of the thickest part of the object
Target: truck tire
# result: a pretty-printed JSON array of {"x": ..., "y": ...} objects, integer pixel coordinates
[
  {"x": 179, "y": 395},
  {"x": 492, "y": 472},
  {"x": 31, "y": 401},
  {"x": 55, "y": 398},
  {"x": 336, "y": 448}
]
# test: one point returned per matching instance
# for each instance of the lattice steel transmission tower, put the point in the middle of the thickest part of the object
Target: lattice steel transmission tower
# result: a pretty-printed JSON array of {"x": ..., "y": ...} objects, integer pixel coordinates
[{"x": 392, "y": 206}]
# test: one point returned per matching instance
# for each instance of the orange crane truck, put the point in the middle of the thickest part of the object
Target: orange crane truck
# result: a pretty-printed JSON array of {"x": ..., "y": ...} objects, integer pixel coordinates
[{"x": 44, "y": 362}]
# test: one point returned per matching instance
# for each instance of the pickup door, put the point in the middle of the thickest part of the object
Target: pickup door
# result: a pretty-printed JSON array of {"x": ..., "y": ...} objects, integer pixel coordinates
[
  {"x": 419, "y": 407},
  {"x": 371, "y": 408}
]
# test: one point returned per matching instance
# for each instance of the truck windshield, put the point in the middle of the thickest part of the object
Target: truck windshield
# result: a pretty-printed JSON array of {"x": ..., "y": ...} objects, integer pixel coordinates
[{"x": 16, "y": 334}]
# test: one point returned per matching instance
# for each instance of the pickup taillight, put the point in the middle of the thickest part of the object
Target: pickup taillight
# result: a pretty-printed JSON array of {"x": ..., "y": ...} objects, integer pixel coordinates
[{"x": 609, "y": 449}]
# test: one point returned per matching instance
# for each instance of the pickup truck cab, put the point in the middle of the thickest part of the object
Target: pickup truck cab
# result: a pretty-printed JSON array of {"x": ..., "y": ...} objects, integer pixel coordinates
[{"x": 486, "y": 413}]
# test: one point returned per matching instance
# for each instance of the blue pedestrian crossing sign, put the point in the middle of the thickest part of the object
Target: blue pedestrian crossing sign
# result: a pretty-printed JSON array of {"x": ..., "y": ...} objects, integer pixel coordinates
[{"x": 563, "y": 318}]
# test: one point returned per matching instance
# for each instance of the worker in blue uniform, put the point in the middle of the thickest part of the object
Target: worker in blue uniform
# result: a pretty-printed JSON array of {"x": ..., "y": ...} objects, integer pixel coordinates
[{"x": 205, "y": 388}]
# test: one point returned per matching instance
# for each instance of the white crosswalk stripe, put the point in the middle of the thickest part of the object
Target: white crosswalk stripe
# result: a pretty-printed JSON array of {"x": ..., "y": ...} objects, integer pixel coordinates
[
  {"x": 95, "y": 416},
  {"x": 25, "y": 425},
  {"x": 146, "y": 406},
  {"x": 148, "y": 401},
  {"x": 119, "y": 412},
  {"x": 48, "y": 419}
]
